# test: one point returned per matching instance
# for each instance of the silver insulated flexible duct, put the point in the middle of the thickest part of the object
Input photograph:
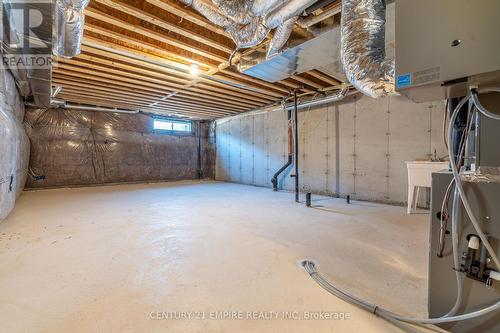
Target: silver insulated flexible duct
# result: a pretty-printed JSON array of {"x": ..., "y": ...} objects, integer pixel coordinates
[
  {"x": 69, "y": 21},
  {"x": 250, "y": 21},
  {"x": 363, "y": 47}
]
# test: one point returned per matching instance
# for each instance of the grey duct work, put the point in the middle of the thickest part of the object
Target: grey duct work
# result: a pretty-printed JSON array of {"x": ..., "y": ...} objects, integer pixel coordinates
[
  {"x": 290, "y": 9},
  {"x": 363, "y": 47},
  {"x": 236, "y": 10},
  {"x": 338, "y": 96},
  {"x": 249, "y": 22},
  {"x": 69, "y": 21},
  {"x": 209, "y": 12},
  {"x": 262, "y": 7}
]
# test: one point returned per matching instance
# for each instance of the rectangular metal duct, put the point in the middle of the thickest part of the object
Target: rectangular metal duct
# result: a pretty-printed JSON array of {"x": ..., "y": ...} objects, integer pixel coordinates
[{"x": 322, "y": 51}]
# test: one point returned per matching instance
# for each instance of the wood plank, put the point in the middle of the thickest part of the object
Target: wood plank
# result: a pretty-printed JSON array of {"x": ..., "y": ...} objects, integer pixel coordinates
[
  {"x": 88, "y": 73},
  {"x": 174, "y": 77},
  {"x": 164, "y": 38},
  {"x": 65, "y": 75},
  {"x": 109, "y": 102},
  {"x": 125, "y": 92},
  {"x": 323, "y": 77},
  {"x": 147, "y": 79},
  {"x": 188, "y": 15},
  {"x": 150, "y": 18}
]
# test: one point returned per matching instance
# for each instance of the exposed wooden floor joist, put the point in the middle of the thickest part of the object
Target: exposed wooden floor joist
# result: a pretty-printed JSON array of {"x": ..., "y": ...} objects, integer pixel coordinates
[{"x": 138, "y": 54}]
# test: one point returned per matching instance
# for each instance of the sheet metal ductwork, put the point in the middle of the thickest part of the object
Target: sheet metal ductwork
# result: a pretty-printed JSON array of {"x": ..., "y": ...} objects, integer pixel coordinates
[
  {"x": 262, "y": 7},
  {"x": 290, "y": 9},
  {"x": 69, "y": 22},
  {"x": 250, "y": 21},
  {"x": 363, "y": 47},
  {"x": 281, "y": 36}
]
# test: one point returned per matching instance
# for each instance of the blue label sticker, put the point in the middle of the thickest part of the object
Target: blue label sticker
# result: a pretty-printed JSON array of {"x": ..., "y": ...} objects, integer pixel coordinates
[{"x": 404, "y": 81}]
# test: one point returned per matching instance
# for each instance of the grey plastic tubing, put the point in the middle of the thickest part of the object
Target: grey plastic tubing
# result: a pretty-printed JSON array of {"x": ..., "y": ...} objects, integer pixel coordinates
[{"x": 451, "y": 316}]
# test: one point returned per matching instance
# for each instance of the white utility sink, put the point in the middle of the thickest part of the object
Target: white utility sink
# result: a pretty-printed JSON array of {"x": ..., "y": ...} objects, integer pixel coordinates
[{"x": 420, "y": 175}]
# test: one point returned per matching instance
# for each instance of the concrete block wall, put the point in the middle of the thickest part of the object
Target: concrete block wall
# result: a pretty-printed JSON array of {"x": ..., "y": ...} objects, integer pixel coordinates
[{"x": 355, "y": 147}]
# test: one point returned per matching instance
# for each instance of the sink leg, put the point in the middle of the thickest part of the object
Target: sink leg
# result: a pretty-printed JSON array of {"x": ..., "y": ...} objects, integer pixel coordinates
[
  {"x": 416, "y": 198},
  {"x": 411, "y": 193}
]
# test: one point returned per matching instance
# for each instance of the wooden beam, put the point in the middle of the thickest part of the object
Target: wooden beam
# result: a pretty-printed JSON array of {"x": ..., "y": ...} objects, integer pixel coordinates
[
  {"x": 146, "y": 79},
  {"x": 323, "y": 77},
  {"x": 256, "y": 85},
  {"x": 65, "y": 75},
  {"x": 110, "y": 102},
  {"x": 138, "y": 98},
  {"x": 176, "y": 28},
  {"x": 188, "y": 15},
  {"x": 89, "y": 73},
  {"x": 140, "y": 44},
  {"x": 164, "y": 38},
  {"x": 154, "y": 69},
  {"x": 125, "y": 91},
  {"x": 307, "y": 82}
]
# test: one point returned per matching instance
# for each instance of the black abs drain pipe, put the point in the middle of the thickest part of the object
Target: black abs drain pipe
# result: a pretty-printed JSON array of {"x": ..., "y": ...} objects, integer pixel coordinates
[{"x": 289, "y": 162}]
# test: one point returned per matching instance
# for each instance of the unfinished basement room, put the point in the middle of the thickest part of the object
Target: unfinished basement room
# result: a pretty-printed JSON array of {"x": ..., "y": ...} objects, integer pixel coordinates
[{"x": 256, "y": 166}]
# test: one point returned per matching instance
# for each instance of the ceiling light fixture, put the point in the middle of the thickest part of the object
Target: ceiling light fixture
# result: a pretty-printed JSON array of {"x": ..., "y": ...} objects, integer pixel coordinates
[{"x": 195, "y": 69}]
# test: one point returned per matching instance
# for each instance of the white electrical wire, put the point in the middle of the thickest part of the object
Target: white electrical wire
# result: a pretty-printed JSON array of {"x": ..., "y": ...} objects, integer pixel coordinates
[
  {"x": 459, "y": 186},
  {"x": 392, "y": 317},
  {"x": 456, "y": 255},
  {"x": 480, "y": 107}
]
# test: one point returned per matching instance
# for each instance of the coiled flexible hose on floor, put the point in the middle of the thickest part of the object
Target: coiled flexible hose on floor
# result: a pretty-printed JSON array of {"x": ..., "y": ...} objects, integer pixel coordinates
[
  {"x": 395, "y": 318},
  {"x": 310, "y": 268}
]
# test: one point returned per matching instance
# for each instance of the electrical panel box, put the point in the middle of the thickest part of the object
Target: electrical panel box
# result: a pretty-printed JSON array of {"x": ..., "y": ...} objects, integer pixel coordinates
[{"x": 444, "y": 46}]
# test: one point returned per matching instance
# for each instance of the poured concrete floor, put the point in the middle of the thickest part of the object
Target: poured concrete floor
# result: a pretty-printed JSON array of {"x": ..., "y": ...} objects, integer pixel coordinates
[{"x": 125, "y": 258}]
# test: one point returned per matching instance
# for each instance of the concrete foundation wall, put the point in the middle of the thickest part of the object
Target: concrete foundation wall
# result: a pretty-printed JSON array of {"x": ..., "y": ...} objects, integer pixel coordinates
[
  {"x": 356, "y": 147},
  {"x": 71, "y": 147}
]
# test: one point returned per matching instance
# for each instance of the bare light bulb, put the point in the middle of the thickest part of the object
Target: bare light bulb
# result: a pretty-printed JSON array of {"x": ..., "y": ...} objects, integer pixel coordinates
[{"x": 195, "y": 69}]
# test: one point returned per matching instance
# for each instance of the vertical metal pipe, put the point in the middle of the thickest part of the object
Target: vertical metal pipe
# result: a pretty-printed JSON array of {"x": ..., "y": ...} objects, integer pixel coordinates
[
  {"x": 296, "y": 126},
  {"x": 200, "y": 172}
]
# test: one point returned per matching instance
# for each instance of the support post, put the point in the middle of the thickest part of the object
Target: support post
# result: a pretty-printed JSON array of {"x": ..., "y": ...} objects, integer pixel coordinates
[{"x": 296, "y": 128}]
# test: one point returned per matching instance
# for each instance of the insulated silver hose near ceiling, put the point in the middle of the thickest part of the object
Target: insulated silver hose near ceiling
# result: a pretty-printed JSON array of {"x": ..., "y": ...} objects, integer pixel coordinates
[
  {"x": 68, "y": 29},
  {"x": 363, "y": 47},
  {"x": 250, "y": 21}
]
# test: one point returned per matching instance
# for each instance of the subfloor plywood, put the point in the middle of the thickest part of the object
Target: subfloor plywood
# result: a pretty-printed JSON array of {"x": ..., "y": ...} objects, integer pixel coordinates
[{"x": 108, "y": 259}]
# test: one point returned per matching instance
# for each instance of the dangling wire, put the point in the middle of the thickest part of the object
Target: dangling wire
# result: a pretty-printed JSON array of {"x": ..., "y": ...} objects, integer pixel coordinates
[{"x": 231, "y": 57}]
